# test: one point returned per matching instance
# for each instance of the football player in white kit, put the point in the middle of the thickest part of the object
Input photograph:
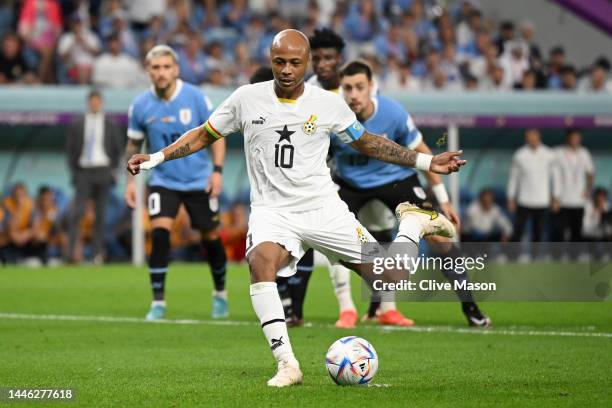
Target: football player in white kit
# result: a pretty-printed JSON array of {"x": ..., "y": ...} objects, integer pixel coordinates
[{"x": 286, "y": 126}]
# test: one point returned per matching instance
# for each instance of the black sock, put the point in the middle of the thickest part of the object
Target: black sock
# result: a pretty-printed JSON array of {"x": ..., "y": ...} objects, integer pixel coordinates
[
  {"x": 464, "y": 295},
  {"x": 298, "y": 283},
  {"x": 374, "y": 305},
  {"x": 471, "y": 308},
  {"x": 158, "y": 261},
  {"x": 217, "y": 260}
]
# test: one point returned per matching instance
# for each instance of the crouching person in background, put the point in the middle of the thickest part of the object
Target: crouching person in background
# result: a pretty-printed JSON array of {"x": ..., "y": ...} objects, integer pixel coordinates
[
  {"x": 234, "y": 227},
  {"x": 19, "y": 208},
  {"x": 597, "y": 222},
  {"x": 45, "y": 224},
  {"x": 3, "y": 237},
  {"x": 486, "y": 222},
  {"x": 82, "y": 247}
]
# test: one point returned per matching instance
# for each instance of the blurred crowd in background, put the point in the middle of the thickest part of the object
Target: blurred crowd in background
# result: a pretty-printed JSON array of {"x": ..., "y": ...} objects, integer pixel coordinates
[{"x": 412, "y": 44}]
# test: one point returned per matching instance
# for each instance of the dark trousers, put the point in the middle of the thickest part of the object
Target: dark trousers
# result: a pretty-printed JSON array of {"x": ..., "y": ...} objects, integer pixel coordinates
[
  {"x": 95, "y": 184},
  {"x": 538, "y": 219},
  {"x": 568, "y": 229},
  {"x": 570, "y": 224}
]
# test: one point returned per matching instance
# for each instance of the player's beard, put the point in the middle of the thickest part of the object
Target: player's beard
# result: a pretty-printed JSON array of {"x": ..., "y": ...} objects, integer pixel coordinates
[
  {"x": 360, "y": 113},
  {"x": 333, "y": 82},
  {"x": 363, "y": 115},
  {"x": 161, "y": 91}
]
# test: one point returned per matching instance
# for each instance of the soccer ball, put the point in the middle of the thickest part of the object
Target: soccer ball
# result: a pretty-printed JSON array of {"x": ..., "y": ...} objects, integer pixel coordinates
[{"x": 351, "y": 361}]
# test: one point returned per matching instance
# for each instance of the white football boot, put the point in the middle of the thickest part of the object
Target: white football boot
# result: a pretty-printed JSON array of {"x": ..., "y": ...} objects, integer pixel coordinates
[
  {"x": 289, "y": 373},
  {"x": 431, "y": 221}
]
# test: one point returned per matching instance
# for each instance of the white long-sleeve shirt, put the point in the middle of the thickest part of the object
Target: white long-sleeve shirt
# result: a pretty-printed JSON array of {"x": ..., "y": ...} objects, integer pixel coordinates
[
  {"x": 93, "y": 153},
  {"x": 486, "y": 222},
  {"x": 532, "y": 177},
  {"x": 573, "y": 167}
]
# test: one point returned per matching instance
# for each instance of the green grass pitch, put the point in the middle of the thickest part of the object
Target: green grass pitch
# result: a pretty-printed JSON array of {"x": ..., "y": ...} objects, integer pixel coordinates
[{"x": 537, "y": 354}]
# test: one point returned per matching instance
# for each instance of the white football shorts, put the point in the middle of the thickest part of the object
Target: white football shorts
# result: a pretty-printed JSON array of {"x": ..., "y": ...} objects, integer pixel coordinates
[{"x": 330, "y": 229}]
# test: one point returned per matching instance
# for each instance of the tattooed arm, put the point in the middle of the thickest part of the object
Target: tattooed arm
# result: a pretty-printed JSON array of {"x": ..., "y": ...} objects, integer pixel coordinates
[
  {"x": 133, "y": 147},
  {"x": 192, "y": 141},
  {"x": 385, "y": 150},
  {"x": 388, "y": 151},
  {"x": 215, "y": 181}
]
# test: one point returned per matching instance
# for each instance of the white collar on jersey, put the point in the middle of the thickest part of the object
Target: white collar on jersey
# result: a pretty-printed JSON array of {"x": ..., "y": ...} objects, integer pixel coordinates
[
  {"x": 289, "y": 102},
  {"x": 374, "y": 100},
  {"x": 177, "y": 90}
]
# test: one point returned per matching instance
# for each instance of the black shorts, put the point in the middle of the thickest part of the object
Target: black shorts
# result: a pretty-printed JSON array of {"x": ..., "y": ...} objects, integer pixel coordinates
[
  {"x": 203, "y": 210},
  {"x": 391, "y": 194}
]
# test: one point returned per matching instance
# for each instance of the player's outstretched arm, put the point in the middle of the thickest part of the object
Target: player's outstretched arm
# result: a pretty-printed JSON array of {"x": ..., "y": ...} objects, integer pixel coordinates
[
  {"x": 388, "y": 151},
  {"x": 133, "y": 147},
  {"x": 215, "y": 181},
  {"x": 192, "y": 141},
  {"x": 437, "y": 186}
]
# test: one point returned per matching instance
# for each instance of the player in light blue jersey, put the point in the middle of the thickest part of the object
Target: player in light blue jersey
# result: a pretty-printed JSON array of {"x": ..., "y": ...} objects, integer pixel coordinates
[
  {"x": 363, "y": 179},
  {"x": 160, "y": 116},
  {"x": 387, "y": 118}
]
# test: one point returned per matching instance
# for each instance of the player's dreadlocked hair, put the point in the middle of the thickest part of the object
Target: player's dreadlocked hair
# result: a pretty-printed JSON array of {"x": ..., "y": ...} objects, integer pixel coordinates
[{"x": 326, "y": 38}]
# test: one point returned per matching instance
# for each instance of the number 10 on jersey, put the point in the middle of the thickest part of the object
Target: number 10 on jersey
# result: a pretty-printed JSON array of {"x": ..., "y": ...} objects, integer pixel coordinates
[{"x": 283, "y": 155}]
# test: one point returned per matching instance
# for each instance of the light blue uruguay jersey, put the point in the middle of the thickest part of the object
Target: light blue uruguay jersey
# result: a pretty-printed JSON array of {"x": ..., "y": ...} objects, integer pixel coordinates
[
  {"x": 389, "y": 120},
  {"x": 161, "y": 123}
]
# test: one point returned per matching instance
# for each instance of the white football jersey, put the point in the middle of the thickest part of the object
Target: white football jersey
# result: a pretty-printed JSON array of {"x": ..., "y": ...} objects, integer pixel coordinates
[
  {"x": 314, "y": 80},
  {"x": 286, "y": 141}
]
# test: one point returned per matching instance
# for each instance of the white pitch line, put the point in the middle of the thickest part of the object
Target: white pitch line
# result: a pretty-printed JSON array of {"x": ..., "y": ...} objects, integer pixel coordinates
[{"x": 416, "y": 329}]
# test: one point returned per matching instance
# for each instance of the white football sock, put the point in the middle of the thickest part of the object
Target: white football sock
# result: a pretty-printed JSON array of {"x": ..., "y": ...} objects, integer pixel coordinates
[
  {"x": 386, "y": 306},
  {"x": 269, "y": 309},
  {"x": 409, "y": 231},
  {"x": 158, "y": 303},
  {"x": 220, "y": 294},
  {"x": 341, "y": 279}
]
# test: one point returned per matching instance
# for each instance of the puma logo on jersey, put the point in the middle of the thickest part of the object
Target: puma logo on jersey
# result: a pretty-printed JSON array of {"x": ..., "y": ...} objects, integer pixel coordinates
[{"x": 259, "y": 121}]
